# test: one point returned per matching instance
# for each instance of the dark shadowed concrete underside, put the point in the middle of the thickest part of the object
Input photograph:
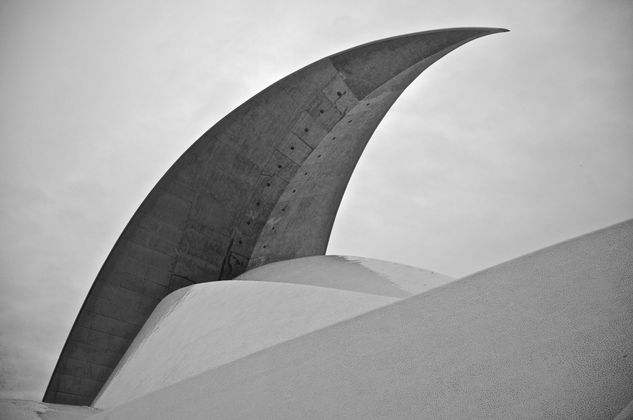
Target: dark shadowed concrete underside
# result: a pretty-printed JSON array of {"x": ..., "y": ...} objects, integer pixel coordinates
[{"x": 262, "y": 185}]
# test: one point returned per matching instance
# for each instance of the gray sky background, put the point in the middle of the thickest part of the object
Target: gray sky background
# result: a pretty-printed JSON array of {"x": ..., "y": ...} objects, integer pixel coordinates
[{"x": 513, "y": 142}]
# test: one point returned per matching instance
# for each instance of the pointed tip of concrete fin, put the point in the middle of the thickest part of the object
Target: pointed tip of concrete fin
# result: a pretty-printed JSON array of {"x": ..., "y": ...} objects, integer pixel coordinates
[
  {"x": 370, "y": 65},
  {"x": 493, "y": 30},
  {"x": 464, "y": 34},
  {"x": 479, "y": 32}
]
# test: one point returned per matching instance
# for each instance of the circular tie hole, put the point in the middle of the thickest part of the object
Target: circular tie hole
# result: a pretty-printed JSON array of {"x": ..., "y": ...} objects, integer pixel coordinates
[
  {"x": 268, "y": 184},
  {"x": 306, "y": 129},
  {"x": 292, "y": 148},
  {"x": 321, "y": 111},
  {"x": 318, "y": 156},
  {"x": 264, "y": 247},
  {"x": 257, "y": 204},
  {"x": 339, "y": 94},
  {"x": 240, "y": 242},
  {"x": 283, "y": 209},
  {"x": 305, "y": 173},
  {"x": 248, "y": 222},
  {"x": 279, "y": 166},
  {"x": 294, "y": 191}
]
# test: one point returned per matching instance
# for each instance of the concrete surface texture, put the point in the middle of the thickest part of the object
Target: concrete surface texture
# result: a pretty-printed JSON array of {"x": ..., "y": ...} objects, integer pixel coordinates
[
  {"x": 626, "y": 413},
  {"x": 547, "y": 335},
  {"x": 35, "y": 410},
  {"x": 261, "y": 185},
  {"x": 204, "y": 326}
]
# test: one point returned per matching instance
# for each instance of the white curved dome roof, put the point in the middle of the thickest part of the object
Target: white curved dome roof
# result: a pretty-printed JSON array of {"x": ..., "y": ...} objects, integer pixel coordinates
[
  {"x": 547, "y": 335},
  {"x": 365, "y": 275},
  {"x": 210, "y": 324}
]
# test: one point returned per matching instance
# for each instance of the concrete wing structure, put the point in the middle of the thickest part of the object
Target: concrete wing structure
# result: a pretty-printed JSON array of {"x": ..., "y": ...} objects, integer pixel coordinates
[{"x": 262, "y": 185}]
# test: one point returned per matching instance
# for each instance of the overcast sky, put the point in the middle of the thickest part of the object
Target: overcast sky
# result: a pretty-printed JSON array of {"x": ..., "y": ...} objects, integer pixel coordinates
[{"x": 513, "y": 142}]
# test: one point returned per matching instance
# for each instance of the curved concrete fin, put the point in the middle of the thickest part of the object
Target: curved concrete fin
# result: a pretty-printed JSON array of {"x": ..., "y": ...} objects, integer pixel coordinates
[
  {"x": 368, "y": 81},
  {"x": 261, "y": 185}
]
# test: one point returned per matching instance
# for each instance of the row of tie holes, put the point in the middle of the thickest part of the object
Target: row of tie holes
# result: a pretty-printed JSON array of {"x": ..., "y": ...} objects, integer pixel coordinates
[{"x": 248, "y": 222}]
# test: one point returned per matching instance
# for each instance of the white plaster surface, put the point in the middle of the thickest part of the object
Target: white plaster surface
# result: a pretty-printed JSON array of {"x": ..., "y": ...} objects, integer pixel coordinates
[
  {"x": 364, "y": 275},
  {"x": 204, "y": 326},
  {"x": 207, "y": 325},
  {"x": 35, "y": 410},
  {"x": 547, "y": 335}
]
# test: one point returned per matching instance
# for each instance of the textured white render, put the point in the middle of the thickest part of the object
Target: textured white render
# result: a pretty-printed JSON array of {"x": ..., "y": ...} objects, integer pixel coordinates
[
  {"x": 204, "y": 326},
  {"x": 547, "y": 335},
  {"x": 358, "y": 274}
]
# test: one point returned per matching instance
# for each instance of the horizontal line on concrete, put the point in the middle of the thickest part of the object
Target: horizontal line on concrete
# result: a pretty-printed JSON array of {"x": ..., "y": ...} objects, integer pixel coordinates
[
  {"x": 101, "y": 332},
  {"x": 112, "y": 318},
  {"x": 90, "y": 363},
  {"x": 74, "y": 395}
]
